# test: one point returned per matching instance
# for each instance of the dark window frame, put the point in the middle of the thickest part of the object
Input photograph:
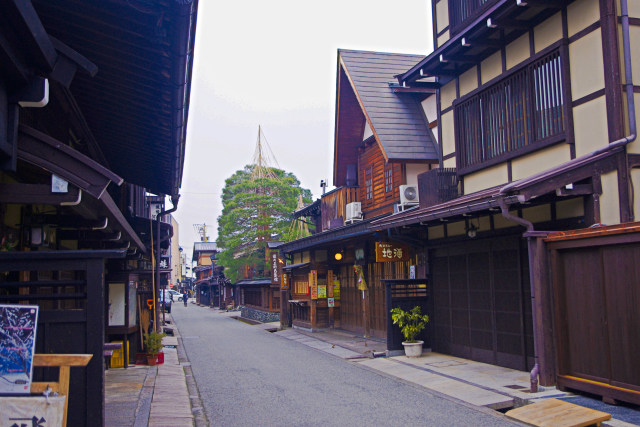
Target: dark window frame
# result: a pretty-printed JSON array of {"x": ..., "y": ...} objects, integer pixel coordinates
[
  {"x": 368, "y": 185},
  {"x": 461, "y": 125},
  {"x": 463, "y": 12},
  {"x": 388, "y": 179}
]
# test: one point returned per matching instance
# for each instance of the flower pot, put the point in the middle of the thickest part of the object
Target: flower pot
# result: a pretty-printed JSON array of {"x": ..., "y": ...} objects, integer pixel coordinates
[
  {"x": 413, "y": 349},
  {"x": 152, "y": 359}
]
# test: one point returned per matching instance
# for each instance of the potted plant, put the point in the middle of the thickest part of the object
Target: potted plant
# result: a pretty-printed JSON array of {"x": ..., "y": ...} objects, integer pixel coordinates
[
  {"x": 153, "y": 344},
  {"x": 411, "y": 323}
]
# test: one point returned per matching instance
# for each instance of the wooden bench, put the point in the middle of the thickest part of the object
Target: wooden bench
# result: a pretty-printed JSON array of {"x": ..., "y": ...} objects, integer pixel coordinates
[
  {"x": 557, "y": 413},
  {"x": 64, "y": 362}
]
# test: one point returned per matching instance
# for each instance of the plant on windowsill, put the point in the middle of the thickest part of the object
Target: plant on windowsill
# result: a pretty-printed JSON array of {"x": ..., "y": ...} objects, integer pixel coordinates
[
  {"x": 411, "y": 323},
  {"x": 153, "y": 344}
]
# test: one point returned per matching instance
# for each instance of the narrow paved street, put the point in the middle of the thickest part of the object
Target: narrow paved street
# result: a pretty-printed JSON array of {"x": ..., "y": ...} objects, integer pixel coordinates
[{"x": 247, "y": 376}]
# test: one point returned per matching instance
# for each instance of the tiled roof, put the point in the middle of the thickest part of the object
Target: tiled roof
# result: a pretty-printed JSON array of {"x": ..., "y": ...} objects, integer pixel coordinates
[{"x": 397, "y": 119}]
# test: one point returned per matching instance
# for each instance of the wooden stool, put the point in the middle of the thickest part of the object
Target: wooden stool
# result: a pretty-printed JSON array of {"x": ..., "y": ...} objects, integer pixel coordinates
[
  {"x": 64, "y": 362},
  {"x": 557, "y": 413}
]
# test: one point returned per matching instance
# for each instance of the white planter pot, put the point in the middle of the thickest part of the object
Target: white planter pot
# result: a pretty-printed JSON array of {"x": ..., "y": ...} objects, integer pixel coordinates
[{"x": 413, "y": 349}]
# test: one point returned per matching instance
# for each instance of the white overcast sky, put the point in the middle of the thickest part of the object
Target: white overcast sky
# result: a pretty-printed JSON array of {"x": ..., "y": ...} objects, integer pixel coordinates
[{"x": 273, "y": 63}]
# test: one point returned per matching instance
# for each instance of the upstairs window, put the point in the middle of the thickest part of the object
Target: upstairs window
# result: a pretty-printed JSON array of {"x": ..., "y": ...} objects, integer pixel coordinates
[
  {"x": 388, "y": 179},
  {"x": 522, "y": 112},
  {"x": 368, "y": 179},
  {"x": 461, "y": 12}
]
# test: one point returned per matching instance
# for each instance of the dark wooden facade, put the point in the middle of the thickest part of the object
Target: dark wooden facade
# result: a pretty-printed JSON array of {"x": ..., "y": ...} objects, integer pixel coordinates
[
  {"x": 75, "y": 172},
  {"x": 596, "y": 313}
]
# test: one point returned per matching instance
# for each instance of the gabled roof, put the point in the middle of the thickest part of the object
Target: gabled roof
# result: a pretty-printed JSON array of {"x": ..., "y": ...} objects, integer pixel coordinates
[{"x": 396, "y": 119}]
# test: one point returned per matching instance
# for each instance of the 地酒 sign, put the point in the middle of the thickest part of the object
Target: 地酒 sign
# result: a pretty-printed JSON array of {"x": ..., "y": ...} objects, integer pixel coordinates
[{"x": 387, "y": 251}]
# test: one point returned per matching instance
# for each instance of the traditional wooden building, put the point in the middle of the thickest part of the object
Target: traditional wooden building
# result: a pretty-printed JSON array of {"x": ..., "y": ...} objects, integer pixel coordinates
[
  {"x": 206, "y": 287},
  {"x": 536, "y": 115},
  {"x": 383, "y": 141},
  {"x": 93, "y": 110}
]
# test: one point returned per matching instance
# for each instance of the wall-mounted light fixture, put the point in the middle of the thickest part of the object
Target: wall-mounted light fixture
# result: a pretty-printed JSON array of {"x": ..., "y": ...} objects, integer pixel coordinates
[
  {"x": 472, "y": 230},
  {"x": 338, "y": 256}
]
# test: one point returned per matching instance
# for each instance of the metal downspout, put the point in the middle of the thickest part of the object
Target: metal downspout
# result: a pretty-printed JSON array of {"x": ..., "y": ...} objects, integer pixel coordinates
[{"x": 174, "y": 201}]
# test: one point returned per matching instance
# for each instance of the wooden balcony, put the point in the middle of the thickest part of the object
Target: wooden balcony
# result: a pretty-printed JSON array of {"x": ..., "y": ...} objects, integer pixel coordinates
[
  {"x": 333, "y": 205},
  {"x": 462, "y": 12}
]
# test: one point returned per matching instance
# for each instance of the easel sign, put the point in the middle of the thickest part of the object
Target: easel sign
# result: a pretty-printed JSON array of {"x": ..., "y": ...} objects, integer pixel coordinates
[{"x": 17, "y": 346}]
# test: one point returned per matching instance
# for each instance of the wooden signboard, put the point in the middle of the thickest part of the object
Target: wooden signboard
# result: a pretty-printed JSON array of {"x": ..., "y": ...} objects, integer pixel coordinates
[
  {"x": 284, "y": 284},
  {"x": 313, "y": 283},
  {"x": 276, "y": 270},
  {"x": 389, "y": 251},
  {"x": 330, "y": 284}
]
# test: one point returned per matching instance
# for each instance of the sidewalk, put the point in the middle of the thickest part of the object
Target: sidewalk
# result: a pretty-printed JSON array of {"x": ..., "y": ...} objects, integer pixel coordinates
[
  {"x": 463, "y": 380},
  {"x": 157, "y": 396}
]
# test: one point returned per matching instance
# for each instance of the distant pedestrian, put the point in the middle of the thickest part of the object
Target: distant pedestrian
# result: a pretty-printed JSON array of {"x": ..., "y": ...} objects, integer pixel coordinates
[{"x": 185, "y": 297}]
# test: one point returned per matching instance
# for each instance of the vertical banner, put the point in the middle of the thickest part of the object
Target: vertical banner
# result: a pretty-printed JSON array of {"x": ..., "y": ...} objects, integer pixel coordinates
[
  {"x": 276, "y": 271},
  {"x": 330, "y": 284},
  {"x": 284, "y": 284},
  {"x": 313, "y": 283}
]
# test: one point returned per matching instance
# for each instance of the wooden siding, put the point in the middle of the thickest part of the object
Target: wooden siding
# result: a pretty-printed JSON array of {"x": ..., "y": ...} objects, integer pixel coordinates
[
  {"x": 352, "y": 317},
  {"x": 371, "y": 159},
  {"x": 482, "y": 304},
  {"x": 595, "y": 276},
  {"x": 333, "y": 205},
  {"x": 350, "y": 123}
]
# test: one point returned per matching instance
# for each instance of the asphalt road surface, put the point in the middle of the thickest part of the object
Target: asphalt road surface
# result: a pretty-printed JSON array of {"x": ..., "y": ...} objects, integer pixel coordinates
[{"x": 249, "y": 377}]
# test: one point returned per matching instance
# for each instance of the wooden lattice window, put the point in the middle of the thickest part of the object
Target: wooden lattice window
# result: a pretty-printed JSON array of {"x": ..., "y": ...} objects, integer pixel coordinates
[
  {"x": 388, "y": 179},
  {"x": 368, "y": 180},
  {"x": 461, "y": 12},
  {"x": 523, "y": 111}
]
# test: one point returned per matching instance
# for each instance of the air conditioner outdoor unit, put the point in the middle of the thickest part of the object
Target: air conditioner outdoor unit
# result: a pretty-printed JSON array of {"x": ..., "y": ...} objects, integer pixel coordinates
[
  {"x": 409, "y": 195},
  {"x": 353, "y": 213}
]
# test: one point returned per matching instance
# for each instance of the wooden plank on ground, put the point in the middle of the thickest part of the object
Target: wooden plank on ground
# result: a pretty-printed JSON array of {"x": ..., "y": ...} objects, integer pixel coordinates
[{"x": 558, "y": 413}]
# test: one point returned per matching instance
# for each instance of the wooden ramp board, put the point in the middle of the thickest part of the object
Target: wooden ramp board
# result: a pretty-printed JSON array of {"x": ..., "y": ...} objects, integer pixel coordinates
[{"x": 557, "y": 413}]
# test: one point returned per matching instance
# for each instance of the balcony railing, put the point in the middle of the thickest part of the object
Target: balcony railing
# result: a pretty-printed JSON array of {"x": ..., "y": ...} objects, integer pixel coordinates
[
  {"x": 461, "y": 12},
  {"x": 437, "y": 186},
  {"x": 524, "y": 111}
]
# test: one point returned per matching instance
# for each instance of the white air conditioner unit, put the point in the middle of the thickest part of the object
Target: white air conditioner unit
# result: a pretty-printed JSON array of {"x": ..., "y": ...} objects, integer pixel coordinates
[
  {"x": 409, "y": 195},
  {"x": 353, "y": 213}
]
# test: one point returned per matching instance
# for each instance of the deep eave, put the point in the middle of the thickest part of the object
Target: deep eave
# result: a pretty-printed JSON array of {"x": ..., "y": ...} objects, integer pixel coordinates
[
  {"x": 136, "y": 106},
  {"x": 480, "y": 41}
]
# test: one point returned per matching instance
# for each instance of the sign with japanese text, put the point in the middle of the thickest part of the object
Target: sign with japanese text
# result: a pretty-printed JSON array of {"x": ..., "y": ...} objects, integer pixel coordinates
[
  {"x": 330, "y": 284},
  {"x": 313, "y": 283},
  {"x": 322, "y": 291},
  {"x": 387, "y": 251},
  {"x": 276, "y": 269},
  {"x": 331, "y": 302},
  {"x": 336, "y": 289},
  {"x": 284, "y": 284}
]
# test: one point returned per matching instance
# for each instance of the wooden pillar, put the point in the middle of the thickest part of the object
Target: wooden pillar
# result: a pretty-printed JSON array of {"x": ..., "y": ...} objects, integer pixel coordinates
[
  {"x": 313, "y": 318},
  {"x": 365, "y": 313},
  {"x": 95, "y": 335},
  {"x": 542, "y": 308}
]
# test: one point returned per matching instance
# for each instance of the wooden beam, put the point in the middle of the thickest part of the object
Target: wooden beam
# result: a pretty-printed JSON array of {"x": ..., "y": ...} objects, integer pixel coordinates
[
  {"x": 422, "y": 90},
  {"x": 577, "y": 190},
  {"x": 38, "y": 194},
  {"x": 71, "y": 221},
  {"x": 86, "y": 235},
  {"x": 33, "y": 36},
  {"x": 40, "y": 149}
]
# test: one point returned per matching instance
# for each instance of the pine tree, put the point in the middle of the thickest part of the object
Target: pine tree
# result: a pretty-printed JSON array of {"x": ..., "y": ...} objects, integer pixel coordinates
[{"x": 256, "y": 209}]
